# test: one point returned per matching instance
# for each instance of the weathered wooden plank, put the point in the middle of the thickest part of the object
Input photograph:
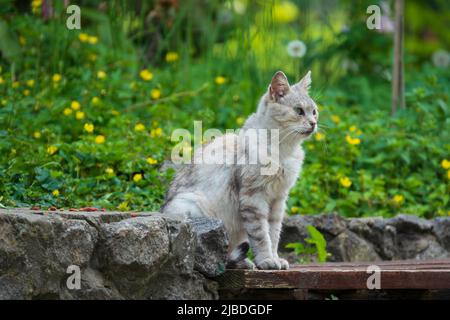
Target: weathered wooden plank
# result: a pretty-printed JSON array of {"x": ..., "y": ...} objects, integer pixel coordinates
[{"x": 342, "y": 276}]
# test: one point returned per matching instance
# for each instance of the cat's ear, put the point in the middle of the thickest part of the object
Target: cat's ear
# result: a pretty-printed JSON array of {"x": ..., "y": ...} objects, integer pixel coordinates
[
  {"x": 279, "y": 86},
  {"x": 305, "y": 83}
]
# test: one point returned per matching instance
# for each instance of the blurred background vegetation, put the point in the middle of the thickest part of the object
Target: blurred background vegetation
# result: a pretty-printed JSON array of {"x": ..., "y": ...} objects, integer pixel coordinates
[{"x": 86, "y": 115}]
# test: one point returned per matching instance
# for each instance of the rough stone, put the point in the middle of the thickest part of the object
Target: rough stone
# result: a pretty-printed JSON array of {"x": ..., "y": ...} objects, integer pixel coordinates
[
  {"x": 212, "y": 246},
  {"x": 120, "y": 255},
  {"x": 377, "y": 232},
  {"x": 35, "y": 251},
  {"x": 375, "y": 238},
  {"x": 441, "y": 228},
  {"x": 410, "y": 223},
  {"x": 347, "y": 246}
]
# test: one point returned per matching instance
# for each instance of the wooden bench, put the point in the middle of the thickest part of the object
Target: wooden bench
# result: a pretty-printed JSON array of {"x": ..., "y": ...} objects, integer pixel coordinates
[{"x": 345, "y": 280}]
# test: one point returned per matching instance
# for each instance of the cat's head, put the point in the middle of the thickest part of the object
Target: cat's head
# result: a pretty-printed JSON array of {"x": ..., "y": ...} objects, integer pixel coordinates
[{"x": 291, "y": 108}]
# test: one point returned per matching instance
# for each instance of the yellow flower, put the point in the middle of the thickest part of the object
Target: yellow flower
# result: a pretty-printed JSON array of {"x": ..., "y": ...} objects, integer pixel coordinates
[
  {"x": 156, "y": 132},
  {"x": 95, "y": 101},
  {"x": 55, "y": 192},
  {"x": 171, "y": 56},
  {"x": 345, "y": 182},
  {"x": 89, "y": 127},
  {"x": 67, "y": 111},
  {"x": 92, "y": 39},
  {"x": 2, "y": 81},
  {"x": 101, "y": 74},
  {"x": 26, "y": 92},
  {"x": 56, "y": 77},
  {"x": 146, "y": 75},
  {"x": 30, "y": 83},
  {"x": 84, "y": 37},
  {"x": 284, "y": 12},
  {"x": 139, "y": 127},
  {"x": 448, "y": 174},
  {"x": 398, "y": 199},
  {"x": 155, "y": 94},
  {"x": 15, "y": 84},
  {"x": 36, "y": 6},
  {"x": 80, "y": 115},
  {"x": 150, "y": 160},
  {"x": 22, "y": 41},
  {"x": 51, "y": 150},
  {"x": 445, "y": 164},
  {"x": 294, "y": 209},
  {"x": 352, "y": 129},
  {"x": 37, "y": 135},
  {"x": 240, "y": 121},
  {"x": 109, "y": 171},
  {"x": 319, "y": 136},
  {"x": 137, "y": 177},
  {"x": 220, "y": 80},
  {"x": 352, "y": 141},
  {"x": 100, "y": 139},
  {"x": 75, "y": 105},
  {"x": 335, "y": 119}
]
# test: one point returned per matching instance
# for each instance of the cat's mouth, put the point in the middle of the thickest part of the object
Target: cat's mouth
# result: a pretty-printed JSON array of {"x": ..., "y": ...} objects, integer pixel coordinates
[{"x": 307, "y": 132}]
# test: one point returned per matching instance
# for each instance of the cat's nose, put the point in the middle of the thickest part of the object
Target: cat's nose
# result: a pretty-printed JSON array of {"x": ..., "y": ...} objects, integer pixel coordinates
[{"x": 312, "y": 124}]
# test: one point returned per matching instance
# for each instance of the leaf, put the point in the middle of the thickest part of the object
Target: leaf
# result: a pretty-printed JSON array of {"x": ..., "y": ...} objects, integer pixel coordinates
[
  {"x": 9, "y": 46},
  {"x": 319, "y": 241},
  {"x": 299, "y": 248}
]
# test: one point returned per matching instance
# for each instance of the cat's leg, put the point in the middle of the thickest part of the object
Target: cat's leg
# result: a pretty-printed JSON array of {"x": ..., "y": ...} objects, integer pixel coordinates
[
  {"x": 275, "y": 223},
  {"x": 254, "y": 211}
]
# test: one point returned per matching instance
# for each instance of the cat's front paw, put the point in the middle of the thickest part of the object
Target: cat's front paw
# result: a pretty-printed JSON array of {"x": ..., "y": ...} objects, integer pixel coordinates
[
  {"x": 268, "y": 264},
  {"x": 283, "y": 263}
]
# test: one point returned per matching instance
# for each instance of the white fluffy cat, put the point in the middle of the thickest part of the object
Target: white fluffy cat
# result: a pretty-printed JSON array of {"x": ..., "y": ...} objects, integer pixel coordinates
[{"x": 250, "y": 204}]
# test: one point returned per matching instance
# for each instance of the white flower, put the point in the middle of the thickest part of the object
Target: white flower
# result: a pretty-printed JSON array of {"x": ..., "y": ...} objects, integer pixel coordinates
[
  {"x": 441, "y": 59},
  {"x": 296, "y": 49},
  {"x": 239, "y": 7}
]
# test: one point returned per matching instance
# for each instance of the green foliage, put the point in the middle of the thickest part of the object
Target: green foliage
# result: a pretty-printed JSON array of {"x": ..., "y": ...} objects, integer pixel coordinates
[
  {"x": 48, "y": 158},
  {"x": 395, "y": 166},
  {"x": 315, "y": 246}
]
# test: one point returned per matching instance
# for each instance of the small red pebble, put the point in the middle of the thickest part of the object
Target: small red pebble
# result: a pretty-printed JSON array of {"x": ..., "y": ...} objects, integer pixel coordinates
[
  {"x": 133, "y": 215},
  {"x": 52, "y": 209},
  {"x": 73, "y": 209},
  {"x": 36, "y": 208},
  {"x": 103, "y": 209}
]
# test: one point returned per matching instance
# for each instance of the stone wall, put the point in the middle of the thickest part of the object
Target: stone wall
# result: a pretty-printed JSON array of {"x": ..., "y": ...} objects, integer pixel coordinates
[
  {"x": 120, "y": 255},
  {"x": 151, "y": 256},
  {"x": 372, "y": 239}
]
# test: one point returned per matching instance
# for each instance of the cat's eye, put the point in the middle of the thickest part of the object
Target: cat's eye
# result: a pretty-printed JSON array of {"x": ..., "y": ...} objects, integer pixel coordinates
[
  {"x": 300, "y": 111},
  {"x": 314, "y": 112}
]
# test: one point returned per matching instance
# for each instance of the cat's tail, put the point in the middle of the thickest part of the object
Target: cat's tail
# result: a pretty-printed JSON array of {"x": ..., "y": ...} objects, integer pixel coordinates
[{"x": 237, "y": 256}]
